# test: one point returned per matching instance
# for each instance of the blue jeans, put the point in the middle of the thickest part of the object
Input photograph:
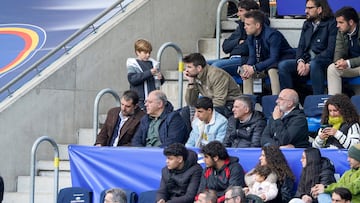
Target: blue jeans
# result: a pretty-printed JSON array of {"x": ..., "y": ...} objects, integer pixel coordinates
[
  {"x": 229, "y": 65},
  {"x": 288, "y": 74}
]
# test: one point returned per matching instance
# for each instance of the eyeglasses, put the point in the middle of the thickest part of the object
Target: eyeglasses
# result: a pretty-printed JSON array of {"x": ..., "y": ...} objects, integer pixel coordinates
[
  {"x": 310, "y": 7},
  {"x": 229, "y": 198}
]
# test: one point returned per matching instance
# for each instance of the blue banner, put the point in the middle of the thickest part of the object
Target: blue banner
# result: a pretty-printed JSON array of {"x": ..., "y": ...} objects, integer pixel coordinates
[{"x": 139, "y": 169}]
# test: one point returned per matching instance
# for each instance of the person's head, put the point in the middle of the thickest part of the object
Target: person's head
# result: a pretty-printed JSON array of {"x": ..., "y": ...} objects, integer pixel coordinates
[
  {"x": 347, "y": 19},
  {"x": 128, "y": 102},
  {"x": 317, "y": 10},
  {"x": 310, "y": 157},
  {"x": 115, "y": 195},
  {"x": 143, "y": 49},
  {"x": 254, "y": 22},
  {"x": 214, "y": 152},
  {"x": 204, "y": 109},
  {"x": 341, "y": 195},
  {"x": 242, "y": 107},
  {"x": 354, "y": 156},
  {"x": 234, "y": 194},
  {"x": 207, "y": 196},
  {"x": 272, "y": 157},
  {"x": 287, "y": 99},
  {"x": 244, "y": 6},
  {"x": 261, "y": 172},
  {"x": 176, "y": 155},
  {"x": 155, "y": 103},
  {"x": 311, "y": 168},
  {"x": 337, "y": 107},
  {"x": 194, "y": 64}
]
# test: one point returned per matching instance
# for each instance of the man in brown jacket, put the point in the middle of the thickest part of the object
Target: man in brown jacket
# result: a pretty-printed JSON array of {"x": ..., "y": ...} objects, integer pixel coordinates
[{"x": 121, "y": 122}]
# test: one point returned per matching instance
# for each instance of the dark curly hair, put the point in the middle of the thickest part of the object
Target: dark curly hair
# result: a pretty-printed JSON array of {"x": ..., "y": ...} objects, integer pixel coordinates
[
  {"x": 276, "y": 161},
  {"x": 345, "y": 107},
  {"x": 215, "y": 148}
]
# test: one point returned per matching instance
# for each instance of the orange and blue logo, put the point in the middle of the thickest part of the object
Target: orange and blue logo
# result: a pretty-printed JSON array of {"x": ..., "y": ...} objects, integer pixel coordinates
[{"x": 19, "y": 43}]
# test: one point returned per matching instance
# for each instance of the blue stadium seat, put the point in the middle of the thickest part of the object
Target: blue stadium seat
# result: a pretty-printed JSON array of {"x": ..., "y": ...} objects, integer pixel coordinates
[
  {"x": 250, "y": 198},
  {"x": 74, "y": 194},
  {"x": 268, "y": 102},
  {"x": 313, "y": 107},
  {"x": 147, "y": 196},
  {"x": 131, "y": 196},
  {"x": 253, "y": 98},
  {"x": 356, "y": 101},
  {"x": 352, "y": 81}
]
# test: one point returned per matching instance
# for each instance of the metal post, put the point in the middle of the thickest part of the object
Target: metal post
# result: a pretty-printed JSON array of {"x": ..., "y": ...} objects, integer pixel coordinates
[
  {"x": 96, "y": 107},
  {"x": 33, "y": 163},
  {"x": 180, "y": 66}
]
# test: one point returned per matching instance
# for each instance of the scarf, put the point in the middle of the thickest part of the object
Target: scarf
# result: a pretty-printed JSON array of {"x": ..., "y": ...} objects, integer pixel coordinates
[{"x": 336, "y": 121}]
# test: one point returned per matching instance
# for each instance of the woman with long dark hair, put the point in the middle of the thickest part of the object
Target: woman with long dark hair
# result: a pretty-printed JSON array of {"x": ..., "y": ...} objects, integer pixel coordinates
[
  {"x": 315, "y": 169},
  {"x": 272, "y": 157},
  {"x": 340, "y": 122}
]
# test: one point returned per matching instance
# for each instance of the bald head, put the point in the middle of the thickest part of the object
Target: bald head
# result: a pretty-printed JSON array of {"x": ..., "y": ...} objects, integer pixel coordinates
[
  {"x": 288, "y": 99},
  {"x": 155, "y": 103}
]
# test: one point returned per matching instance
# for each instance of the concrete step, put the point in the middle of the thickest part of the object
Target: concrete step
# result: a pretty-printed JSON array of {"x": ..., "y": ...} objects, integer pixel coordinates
[
  {"x": 43, "y": 184},
  {"x": 228, "y": 25},
  {"x": 63, "y": 152},
  {"x": 207, "y": 47},
  {"x": 51, "y": 173},
  {"x": 16, "y": 197},
  {"x": 43, "y": 165},
  {"x": 86, "y": 136}
]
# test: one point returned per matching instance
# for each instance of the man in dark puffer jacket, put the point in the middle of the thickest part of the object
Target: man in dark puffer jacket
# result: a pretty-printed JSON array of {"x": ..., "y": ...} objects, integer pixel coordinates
[{"x": 181, "y": 176}]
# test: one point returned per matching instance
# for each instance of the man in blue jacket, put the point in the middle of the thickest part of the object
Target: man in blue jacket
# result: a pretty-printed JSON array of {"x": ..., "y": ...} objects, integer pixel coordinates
[
  {"x": 236, "y": 45},
  {"x": 315, "y": 51},
  {"x": 267, "y": 47},
  {"x": 161, "y": 126}
]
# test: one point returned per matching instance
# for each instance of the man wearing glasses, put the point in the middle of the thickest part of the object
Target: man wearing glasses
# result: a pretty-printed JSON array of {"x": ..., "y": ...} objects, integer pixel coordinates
[
  {"x": 315, "y": 51},
  {"x": 234, "y": 194},
  {"x": 287, "y": 127}
]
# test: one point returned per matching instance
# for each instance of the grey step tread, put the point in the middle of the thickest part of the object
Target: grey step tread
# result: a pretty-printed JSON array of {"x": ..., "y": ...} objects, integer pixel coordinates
[
  {"x": 86, "y": 136},
  {"x": 44, "y": 165},
  {"x": 16, "y": 197},
  {"x": 43, "y": 184},
  {"x": 63, "y": 151},
  {"x": 51, "y": 173}
]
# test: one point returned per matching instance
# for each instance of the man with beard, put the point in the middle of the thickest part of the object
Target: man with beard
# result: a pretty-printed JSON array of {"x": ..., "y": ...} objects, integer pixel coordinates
[
  {"x": 315, "y": 51},
  {"x": 121, "y": 122},
  {"x": 347, "y": 50},
  {"x": 181, "y": 177},
  {"x": 287, "y": 127}
]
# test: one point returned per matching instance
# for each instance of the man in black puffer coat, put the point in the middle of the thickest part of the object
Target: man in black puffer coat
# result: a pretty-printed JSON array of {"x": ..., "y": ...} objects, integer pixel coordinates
[{"x": 181, "y": 177}]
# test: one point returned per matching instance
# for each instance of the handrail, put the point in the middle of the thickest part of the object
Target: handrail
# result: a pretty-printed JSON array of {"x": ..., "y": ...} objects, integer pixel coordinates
[
  {"x": 96, "y": 107},
  {"x": 218, "y": 24},
  {"x": 33, "y": 163},
  {"x": 58, "y": 48},
  {"x": 180, "y": 65}
]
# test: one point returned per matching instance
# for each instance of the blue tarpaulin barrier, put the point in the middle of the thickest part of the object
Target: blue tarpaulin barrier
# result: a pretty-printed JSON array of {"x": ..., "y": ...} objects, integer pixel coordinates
[{"x": 139, "y": 169}]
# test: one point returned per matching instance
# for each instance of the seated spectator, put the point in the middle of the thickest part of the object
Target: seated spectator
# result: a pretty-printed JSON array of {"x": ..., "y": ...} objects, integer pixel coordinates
[
  {"x": 315, "y": 50},
  {"x": 207, "y": 196},
  {"x": 211, "y": 82},
  {"x": 264, "y": 185},
  {"x": 315, "y": 169},
  {"x": 143, "y": 72},
  {"x": 350, "y": 179},
  {"x": 180, "y": 178},
  {"x": 341, "y": 195},
  {"x": 347, "y": 50},
  {"x": 245, "y": 126},
  {"x": 272, "y": 157},
  {"x": 235, "y": 193},
  {"x": 161, "y": 126},
  {"x": 115, "y": 195},
  {"x": 340, "y": 122},
  {"x": 221, "y": 170},
  {"x": 1, "y": 189},
  {"x": 121, "y": 122},
  {"x": 287, "y": 127},
  {"x": 267, "y": 47},
  {"x": 208, "y": 125},
  {"x": 236, "y": 44}
]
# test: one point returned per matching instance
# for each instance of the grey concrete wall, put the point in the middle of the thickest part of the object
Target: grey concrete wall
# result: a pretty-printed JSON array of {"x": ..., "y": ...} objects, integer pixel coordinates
[{"x": 59, "y": 104}]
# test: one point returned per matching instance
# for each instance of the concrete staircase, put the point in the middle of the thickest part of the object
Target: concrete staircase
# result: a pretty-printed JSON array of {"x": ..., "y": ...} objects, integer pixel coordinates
[{"x": 44, "y": 181}]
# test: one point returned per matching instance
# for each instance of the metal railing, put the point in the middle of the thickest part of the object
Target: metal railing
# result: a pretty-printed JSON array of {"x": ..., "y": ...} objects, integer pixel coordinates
[
  {"x": 33, "y": 168},
  {"x": 218, "y": 24},
  {"x": 96, "y": 107},
  {"x": 180, "y": 66},
  {"x": 58, "y": 48}
]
